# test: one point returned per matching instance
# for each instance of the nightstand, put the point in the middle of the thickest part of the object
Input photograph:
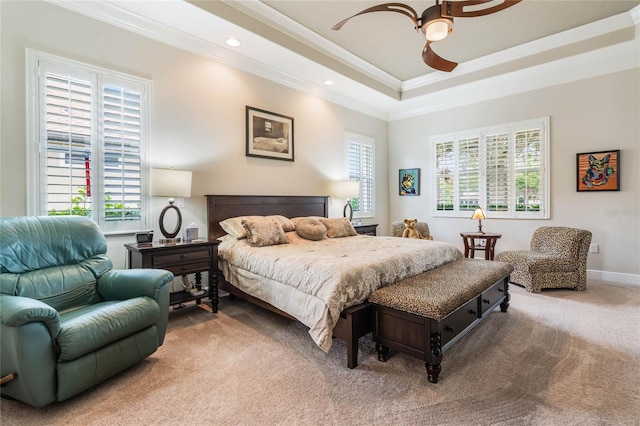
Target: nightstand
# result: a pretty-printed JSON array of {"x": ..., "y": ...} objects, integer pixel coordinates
[
  {"x": 181, "y": 259},
  {"x": 366, "y": 229}
]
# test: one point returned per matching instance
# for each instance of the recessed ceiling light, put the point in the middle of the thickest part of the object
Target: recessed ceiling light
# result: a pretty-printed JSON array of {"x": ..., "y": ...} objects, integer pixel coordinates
[
  {"x": 233, "y": 42},
  {"x": 328, "y": 83}
]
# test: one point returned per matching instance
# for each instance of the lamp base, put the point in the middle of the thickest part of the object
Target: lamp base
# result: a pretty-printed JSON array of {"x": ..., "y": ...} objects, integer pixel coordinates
[
  {"x": 348, "y": 207},
  {"x": 480, "y": 231},
  {"x": 170, "y": 235}
]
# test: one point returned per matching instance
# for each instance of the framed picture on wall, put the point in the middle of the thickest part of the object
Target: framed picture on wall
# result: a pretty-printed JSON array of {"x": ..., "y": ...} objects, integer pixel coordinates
[
  {"x": 409, "y": 181},
  {"x": 598, "y": 171},
  {"x": 269, "y": 135}
]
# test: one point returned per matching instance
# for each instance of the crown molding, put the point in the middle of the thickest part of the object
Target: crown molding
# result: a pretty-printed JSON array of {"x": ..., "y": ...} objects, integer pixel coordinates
[{"x": 187, "y": 27}]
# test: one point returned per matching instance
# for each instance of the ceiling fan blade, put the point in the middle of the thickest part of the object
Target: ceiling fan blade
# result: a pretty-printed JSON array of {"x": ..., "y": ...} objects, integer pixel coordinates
[
  {"x": 387, "y": 7},
  {"x": 434, "y": 61},
  {"x": 455, "y": 9}
]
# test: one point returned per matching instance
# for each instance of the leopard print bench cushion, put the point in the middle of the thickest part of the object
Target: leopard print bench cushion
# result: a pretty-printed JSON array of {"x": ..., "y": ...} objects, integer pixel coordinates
[{"x": 436, "y": 293}]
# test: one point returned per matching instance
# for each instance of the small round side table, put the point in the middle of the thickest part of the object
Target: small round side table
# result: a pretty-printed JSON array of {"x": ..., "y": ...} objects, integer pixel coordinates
[{"x": 470, "y": 244}]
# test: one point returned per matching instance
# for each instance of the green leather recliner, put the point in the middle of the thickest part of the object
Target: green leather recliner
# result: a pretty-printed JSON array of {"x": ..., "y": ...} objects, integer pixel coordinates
[{"x": 68, "y": 320}]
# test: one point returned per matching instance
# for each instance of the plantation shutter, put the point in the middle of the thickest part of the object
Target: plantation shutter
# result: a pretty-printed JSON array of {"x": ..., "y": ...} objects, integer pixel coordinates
[
  {"x": 469, "y": 174},
  {"x": 497, "y": 171},
  {"x": 122, "y": 164},
  {"x": 90, "y": 126},
  {"x": 444, "y": 176},
  {"x": 499, "y": 168},
  {"x": 68, "y": 153},
  {"x": 361, "y": 169},
  {"x": 528, "y": 164}
]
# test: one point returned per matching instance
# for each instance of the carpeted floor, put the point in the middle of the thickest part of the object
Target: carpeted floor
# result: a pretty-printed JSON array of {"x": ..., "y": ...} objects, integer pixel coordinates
[{"x": 560, "y": 357}]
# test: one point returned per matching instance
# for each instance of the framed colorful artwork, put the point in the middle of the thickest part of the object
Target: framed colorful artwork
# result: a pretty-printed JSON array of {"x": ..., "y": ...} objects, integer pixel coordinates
[
  {"x": 598, "y": 171},
  {"x": 269, "y": 135},
  {"x": 409, "y": 181}
]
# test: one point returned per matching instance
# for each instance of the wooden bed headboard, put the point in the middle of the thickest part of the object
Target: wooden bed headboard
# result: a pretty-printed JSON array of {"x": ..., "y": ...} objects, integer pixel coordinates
[{"x": 221, "y": 207}]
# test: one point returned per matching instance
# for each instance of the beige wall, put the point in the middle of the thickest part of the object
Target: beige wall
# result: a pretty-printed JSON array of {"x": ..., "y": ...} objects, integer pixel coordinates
[
  {"x": 199, "y": 125},
  {"x": 597, "y": 114},
  {"x": 198, "y": 116}
]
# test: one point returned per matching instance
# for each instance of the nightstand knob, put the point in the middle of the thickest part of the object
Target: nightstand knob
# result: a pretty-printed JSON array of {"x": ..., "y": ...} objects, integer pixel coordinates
[
  {"x": 487, "y": 301},
  {"x": 183, "y": 256},
  {"x": 449, "y": 328}
]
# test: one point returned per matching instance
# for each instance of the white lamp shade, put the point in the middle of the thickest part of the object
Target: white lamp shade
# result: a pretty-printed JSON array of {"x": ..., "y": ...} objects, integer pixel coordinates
[
  {"x": 170, "y": 183},
  {"x": 345, "y": 189}
]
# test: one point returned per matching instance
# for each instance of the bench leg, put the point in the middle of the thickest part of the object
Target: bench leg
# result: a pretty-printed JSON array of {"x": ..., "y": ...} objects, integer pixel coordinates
[
  {"x": 433, "y": 366},
  {"x": 352, "y": 352},
  {"x": 383, "y": 352},
  {"x": 505, "y": 304}
]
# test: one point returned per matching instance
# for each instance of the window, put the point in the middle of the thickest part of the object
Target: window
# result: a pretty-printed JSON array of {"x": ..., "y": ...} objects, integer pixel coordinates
[
  {"x": 88, "y": 131},
  {"x": 501, "y": 169},
  {"x": 361, "y": 169}
]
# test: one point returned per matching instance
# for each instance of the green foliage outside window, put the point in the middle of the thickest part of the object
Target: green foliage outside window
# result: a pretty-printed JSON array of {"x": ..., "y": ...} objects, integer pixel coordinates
[{"x": 80, "y": 208}]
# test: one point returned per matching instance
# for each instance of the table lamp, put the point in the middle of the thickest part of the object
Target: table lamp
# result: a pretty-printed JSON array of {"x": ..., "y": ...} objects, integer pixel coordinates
[
  {"x": 479, "y": 214},
  {"x": 346, "y": 189},
  {"x": 170, "y": 183}
]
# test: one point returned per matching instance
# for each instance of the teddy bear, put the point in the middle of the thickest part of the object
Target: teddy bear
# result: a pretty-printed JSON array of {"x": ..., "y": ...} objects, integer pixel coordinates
[{"x": 410, "y": 230}]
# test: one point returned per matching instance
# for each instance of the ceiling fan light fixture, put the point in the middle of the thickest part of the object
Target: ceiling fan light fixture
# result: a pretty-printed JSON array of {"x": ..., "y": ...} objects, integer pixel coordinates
[
  {"x": 437, "y": 29},
  {"x": 435, "y": 26}
]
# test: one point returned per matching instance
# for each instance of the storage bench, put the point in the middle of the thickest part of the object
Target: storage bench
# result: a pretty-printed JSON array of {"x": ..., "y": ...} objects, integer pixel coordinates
[{"x": 424, "y": 315}]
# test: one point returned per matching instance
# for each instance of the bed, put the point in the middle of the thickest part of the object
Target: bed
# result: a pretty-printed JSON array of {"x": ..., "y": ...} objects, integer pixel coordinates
[{"x": 323, "y": 284}]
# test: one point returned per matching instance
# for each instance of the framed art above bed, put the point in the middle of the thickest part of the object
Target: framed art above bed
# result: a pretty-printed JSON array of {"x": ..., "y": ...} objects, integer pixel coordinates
[{"x": 269, "y": 135}]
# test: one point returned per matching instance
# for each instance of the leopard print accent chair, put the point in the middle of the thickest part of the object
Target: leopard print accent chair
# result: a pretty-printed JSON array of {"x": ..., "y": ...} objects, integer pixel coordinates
[
  {"x": 397, "y": 228},
  {"x": 557, "y": 259}
]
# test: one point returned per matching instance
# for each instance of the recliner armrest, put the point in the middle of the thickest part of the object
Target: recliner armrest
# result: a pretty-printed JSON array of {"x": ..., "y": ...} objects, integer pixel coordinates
[
  {"x": 16, "y": 311},
  {"x": 128, "y": 283}
]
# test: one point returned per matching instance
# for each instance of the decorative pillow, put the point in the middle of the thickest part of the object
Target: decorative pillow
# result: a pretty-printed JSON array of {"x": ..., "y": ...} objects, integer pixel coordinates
[
  {"x": 295, "y": 220},
  {"x": 338, "y": 227},
  {"x": 311, "y": 228},
  {"x": 285, "y": 222},
  {"x": 263, "y": 231},
  {"x": 233, "y": 226}
]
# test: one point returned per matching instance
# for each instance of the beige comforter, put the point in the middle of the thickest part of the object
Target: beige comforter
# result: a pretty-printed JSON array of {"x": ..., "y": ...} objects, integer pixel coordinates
[{"x": 315, "y": 280}]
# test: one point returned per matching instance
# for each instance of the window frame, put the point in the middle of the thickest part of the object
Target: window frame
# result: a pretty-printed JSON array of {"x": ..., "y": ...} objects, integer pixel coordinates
[
  {"x": 362, "y": 140},
  {"x": 37, "y": 137},
  {"x": 481, "y": 134}
]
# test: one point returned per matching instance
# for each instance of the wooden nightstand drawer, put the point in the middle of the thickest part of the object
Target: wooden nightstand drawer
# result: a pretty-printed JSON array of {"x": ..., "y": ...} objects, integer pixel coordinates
[
  {"x": 188, "y": 268},
  {"x": 368, "y": 229},
  {"x": 165, "y": 261}
]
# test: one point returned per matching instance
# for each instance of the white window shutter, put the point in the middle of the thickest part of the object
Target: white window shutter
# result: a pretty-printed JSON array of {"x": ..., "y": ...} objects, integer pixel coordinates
[
  {"x": 360, "y": 162},
  {"x": 497, "y": 171},
  {"x": 500, "y": 168},
  {"x": 91, "y": 130},
  {"x": 68, "y": 150},
  {"x": 122, "y": 166},
  {"x": 469, "y": 174}
]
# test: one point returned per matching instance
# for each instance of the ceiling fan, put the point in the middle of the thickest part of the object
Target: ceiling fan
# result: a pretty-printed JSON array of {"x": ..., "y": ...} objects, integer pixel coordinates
[{"x": 436, "y": 22}]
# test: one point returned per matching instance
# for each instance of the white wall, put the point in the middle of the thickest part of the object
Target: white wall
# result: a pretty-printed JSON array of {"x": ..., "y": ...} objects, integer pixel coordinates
[
  {"x": 597, "y": 114},
  {"x": 198, "y": 116}
]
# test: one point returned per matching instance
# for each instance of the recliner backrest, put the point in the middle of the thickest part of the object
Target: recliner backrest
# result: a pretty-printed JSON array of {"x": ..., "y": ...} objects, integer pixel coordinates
[{"x": 55, "y": 259}]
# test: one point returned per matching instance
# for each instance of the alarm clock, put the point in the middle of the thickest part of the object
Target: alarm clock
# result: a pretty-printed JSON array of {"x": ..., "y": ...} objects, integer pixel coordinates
[{"x": 144, "y": 237}]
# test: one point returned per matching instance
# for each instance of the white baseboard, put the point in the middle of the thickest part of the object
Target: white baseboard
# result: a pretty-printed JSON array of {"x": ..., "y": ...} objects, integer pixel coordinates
[{"x": 613, "y": 276}]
